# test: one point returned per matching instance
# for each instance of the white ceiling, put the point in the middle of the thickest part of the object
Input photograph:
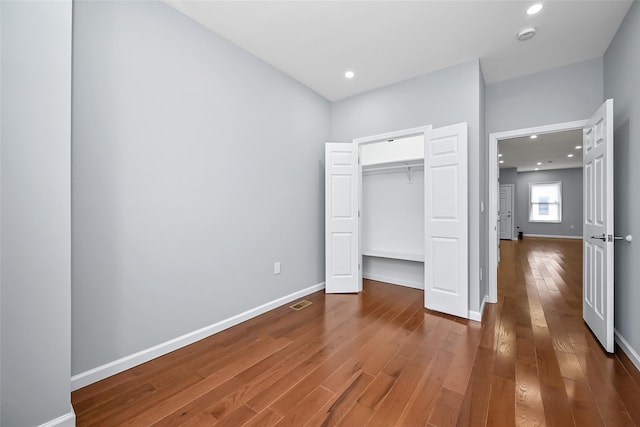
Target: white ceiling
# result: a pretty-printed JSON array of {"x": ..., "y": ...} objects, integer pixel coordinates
[
  {"x": 384, "y": 42},
  {"x": 550, "y": 149}
]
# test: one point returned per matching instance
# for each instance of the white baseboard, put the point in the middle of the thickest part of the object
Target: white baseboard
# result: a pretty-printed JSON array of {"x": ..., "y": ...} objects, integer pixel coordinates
[
  {"x": 477, "y": 315},
  {"x": 553, "y": 236},
  {"x": 628, "y": 350},
  {"x": 101, "y": 372},
  {"x": 393, "y": 280},
  {"x": 66, "y": 420}
]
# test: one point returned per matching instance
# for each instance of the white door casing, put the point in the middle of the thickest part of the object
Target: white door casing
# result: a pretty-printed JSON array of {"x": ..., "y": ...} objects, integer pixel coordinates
[
  {"x": 446, "y": 220},
  {"x": 341, "y": 219},
  {"x": 505, "y": 211},
  {"x": 597, "y": 278}
]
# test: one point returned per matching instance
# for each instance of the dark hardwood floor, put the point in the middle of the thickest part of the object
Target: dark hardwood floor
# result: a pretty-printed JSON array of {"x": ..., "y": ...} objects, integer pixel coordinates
[{"x": 381, "y": 359}]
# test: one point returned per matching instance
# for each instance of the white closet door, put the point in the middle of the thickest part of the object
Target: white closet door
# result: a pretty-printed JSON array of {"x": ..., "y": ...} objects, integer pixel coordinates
[
  {"x": 341, "y": 218},
  {"x": 446, "y": 221}
]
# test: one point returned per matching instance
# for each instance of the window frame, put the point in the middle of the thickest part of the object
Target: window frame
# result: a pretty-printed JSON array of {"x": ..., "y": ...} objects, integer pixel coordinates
[{"x": 559, "y": 203}]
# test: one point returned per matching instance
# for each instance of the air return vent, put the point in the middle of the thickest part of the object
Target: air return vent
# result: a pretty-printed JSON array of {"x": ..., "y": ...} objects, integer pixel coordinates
[{"x": 300, "y": 305}]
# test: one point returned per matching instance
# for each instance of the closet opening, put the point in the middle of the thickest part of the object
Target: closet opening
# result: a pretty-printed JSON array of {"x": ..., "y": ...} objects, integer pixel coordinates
[
  {"x": 392, "y": 211},
  {"x": 396, "y": 210}
]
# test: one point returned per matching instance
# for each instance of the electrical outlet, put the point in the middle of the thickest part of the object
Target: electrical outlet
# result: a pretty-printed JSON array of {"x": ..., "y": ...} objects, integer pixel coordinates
[{"x": 276, "y": 268}]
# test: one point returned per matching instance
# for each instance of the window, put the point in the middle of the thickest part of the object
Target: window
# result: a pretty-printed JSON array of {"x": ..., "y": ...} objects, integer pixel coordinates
[{"x": 545, "y": 201}]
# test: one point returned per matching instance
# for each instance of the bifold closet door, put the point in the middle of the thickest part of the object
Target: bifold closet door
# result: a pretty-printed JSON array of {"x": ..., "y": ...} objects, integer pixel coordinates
[
  {"x": 446, "y": 287},
  {"x": 342, "y": 252}
]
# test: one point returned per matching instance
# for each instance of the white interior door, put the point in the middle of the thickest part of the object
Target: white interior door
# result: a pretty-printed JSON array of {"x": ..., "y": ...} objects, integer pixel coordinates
[
  {"x": 446, "y": 221},
  {"x": 341, "y": 219},
  {"x": 505, "y": 211},
  {"x": 597, "y": 280}
]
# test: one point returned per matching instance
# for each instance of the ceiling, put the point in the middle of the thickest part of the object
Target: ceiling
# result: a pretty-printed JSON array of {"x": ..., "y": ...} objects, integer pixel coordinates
[
  {"x": 385, "y": 42},
  {"x": 551, "y": 150}
]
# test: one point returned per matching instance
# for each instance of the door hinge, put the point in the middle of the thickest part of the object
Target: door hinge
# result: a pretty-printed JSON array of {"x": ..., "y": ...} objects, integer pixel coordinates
[
  {"x": 358, "y": 214},
  {"x": 358, "y": 267}
]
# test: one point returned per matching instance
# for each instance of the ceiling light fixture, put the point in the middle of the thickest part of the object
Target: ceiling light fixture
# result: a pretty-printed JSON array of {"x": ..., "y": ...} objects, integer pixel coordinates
[
  {"x": 537, "y": 169},
  {"x": 526, "y": 34},
  {"x": 569, "y": 155},
  {"x": 349, "y": 74},
  {"x": 539, "y": 163},
  {"x": 500, "y": 155},
  {"x": 501, "y": 161},
  {"x": 578, "y": 147},
  {"x": 534, "y": 9},
  {"x": 533, "y": 136}
]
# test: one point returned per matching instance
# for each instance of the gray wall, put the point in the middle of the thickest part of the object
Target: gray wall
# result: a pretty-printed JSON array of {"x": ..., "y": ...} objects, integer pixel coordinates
[
  {"x": 563, "y": 94},
  {"x": 621, "y": 71},
  {"x": 35, "y": 212},
  {"x": 195, "y": 167},
  {"x": 508, "y": 176},
  {"x": 440, "y": 98},
  {"x": 571, "y": 202}
]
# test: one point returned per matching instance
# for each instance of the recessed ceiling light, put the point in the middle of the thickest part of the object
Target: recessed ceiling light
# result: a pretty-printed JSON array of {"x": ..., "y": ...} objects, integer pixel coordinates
[
  {"x": 500, "y": 155},
  {"x": 526, "y": 34},
  {"x": 533, "y": 136},
  {"x": 578, "y": 147},
  {"x": 569, "y": 155},
  {"x": 539, "y": 163},
  {"x": 537, "y": 169},
  {"x": 501, "y": 161},
  {"x": 534, "y": 9},
  {"x": 349, "y": 74}
]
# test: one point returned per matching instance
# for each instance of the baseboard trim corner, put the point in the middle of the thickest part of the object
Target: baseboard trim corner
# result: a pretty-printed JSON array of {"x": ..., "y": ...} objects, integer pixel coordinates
[
  {"x": 633, "y": 355},
  {"x": 66, "y": 420},
  {"x": 477, "y": 315},
  {"x": 101, "y": 372}
]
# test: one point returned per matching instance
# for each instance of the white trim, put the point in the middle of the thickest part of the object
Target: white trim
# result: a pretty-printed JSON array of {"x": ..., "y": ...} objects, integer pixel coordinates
[
  {"x": 124, "y": 363},
  {"x": 628, "y": 350},
  {"x": 493, "y": 190},
  {"x": 404, "y": 133},
  {"x": 66, "y": 420},
  {"x": 553, "y": 236},
  {"x": 393, "y": 280},
  {"x": 477, "y": 315}
]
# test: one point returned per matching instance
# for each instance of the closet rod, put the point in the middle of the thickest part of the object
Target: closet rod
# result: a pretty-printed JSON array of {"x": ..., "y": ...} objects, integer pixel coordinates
[{"x": 417, "y": 166}]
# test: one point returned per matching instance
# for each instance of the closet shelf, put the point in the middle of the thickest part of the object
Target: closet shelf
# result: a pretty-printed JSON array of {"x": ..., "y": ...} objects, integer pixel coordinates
[
  {"x": 415, "y": 164},
  {"x": 394, "y": 255}
]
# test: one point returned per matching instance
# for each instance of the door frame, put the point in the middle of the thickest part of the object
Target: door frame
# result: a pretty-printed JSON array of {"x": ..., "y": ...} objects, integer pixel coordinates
[
  {"x": 494, "y": 138},
  {"x": 358, "y": 143},
  {"x": 512, "y": 206}
]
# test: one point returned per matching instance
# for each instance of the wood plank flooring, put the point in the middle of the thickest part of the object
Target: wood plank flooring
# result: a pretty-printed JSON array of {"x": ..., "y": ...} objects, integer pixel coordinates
[{"x": 381, "y": 359}]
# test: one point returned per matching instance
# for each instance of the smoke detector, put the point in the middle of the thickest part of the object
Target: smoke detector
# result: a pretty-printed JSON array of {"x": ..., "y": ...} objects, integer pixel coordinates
[{"x": 526, "y": 34}]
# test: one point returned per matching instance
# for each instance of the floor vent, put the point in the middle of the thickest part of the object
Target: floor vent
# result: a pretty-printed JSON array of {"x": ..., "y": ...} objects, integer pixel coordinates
[{"x": 300, "y": 305}]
